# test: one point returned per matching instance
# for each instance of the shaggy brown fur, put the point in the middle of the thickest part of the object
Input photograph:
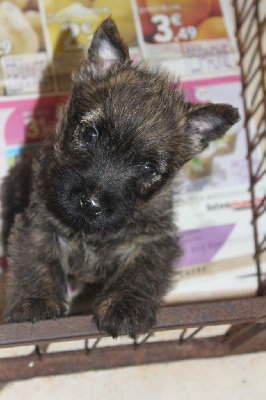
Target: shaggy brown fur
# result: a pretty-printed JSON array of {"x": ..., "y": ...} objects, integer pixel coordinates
[{"x": 97, "y": 204}]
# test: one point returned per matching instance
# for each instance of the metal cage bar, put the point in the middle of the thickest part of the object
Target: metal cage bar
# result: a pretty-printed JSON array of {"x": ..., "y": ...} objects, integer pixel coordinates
[{"x": 244, "y": 45}]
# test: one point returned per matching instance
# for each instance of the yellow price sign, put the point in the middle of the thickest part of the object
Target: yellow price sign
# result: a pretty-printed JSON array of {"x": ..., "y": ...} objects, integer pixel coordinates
[
  {"x": 71, "y": 24},
  {"x": 71, "y": 28}
]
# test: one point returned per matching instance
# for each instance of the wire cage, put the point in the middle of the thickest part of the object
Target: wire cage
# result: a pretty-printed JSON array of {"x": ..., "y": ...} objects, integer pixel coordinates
[{"x": 202, "y": 330}]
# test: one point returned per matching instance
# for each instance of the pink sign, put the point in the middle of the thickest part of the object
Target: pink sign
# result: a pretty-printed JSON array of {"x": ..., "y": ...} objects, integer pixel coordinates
[{"x": 29, "y": 120}]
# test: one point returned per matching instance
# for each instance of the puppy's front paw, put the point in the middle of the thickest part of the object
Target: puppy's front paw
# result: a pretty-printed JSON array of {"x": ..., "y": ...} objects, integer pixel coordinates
[
  {"x": 125, "y": 316},
  {"x": 34, "y": 309}
]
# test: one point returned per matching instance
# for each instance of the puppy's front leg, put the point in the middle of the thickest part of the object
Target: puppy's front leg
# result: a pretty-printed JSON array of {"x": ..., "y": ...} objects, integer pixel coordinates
[
  {"x": 37, "y": 285},
  {"x": 128, "y": 304}
]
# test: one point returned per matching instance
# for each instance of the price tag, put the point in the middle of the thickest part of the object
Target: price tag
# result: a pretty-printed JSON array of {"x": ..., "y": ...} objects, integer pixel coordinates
[
  {"x": 5, "y": 47},
  {"x": 71, "y": 28},
  {"x": 174, "y": 21},
  {"x": 166, "y": 29}
]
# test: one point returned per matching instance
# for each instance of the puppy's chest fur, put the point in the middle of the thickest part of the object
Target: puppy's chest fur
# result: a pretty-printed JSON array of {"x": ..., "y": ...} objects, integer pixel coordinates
[{"x": 93, "y": 261}]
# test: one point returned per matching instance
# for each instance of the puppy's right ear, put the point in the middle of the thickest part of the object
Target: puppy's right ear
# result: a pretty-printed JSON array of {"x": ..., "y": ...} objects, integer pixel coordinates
[
  {"x": 205, "y": 123},
  {"x": 107, "y": 49}
]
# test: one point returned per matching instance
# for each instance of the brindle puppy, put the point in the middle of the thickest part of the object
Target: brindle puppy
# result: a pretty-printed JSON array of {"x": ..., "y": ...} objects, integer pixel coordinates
[{"x": 96, "y": 201}]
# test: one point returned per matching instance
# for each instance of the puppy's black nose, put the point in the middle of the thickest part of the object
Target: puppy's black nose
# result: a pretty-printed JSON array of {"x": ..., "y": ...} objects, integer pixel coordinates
[{"x": 91, "y": 204}]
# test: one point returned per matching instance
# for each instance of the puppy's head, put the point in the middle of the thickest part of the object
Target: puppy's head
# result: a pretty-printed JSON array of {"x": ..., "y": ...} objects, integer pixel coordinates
[{"x": 124, "y": 133}]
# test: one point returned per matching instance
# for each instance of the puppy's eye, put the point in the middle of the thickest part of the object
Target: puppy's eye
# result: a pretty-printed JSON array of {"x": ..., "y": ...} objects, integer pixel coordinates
[
  {"x": 89, "y": 134},
  {"x": 148, "y": 170}
]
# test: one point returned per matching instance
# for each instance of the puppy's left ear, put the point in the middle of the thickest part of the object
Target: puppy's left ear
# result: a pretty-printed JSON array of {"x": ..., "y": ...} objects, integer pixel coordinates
[
  {"x": 107, "y": 49},
  {"x": 207, "y": 122}
]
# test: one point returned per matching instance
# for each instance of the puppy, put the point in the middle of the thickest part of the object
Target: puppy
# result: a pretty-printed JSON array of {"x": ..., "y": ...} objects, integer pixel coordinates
[{"x": 95, "y": 203}]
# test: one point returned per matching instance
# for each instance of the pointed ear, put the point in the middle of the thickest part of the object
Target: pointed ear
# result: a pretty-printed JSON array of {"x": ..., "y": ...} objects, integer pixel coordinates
[
  {"x": 107, "y": 49},
  {"x": 208, "y": 122}
]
